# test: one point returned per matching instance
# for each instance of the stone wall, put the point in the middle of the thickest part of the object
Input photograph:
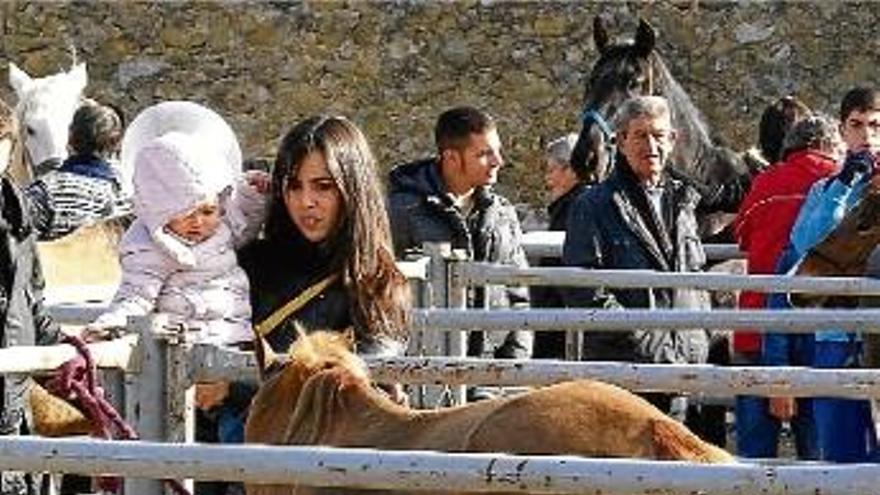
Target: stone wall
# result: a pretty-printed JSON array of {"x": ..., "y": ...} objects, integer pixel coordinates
[{"x": 393, "y": 66}]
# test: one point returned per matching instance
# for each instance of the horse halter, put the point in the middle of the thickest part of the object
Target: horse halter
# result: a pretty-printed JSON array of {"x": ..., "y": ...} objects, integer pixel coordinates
[{"x": 591, "y": 115}]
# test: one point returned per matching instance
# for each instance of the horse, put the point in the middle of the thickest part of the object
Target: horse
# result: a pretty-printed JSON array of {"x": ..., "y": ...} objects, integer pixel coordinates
[
  {"x": 82, "y": 266},
  {"x": 633, "y": 68},
  {"x": 323, "y": 396},
  {"x": 846, "y": 251},
  {"x": 45, "y": 109}
]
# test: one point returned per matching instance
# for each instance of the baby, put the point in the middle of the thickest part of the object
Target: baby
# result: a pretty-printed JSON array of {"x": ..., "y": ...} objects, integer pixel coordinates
[{"x": 194, "y": 208}]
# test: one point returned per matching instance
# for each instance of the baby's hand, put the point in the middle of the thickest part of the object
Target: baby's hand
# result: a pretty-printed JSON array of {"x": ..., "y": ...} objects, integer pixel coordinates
[{"x": 259, "y": 180}]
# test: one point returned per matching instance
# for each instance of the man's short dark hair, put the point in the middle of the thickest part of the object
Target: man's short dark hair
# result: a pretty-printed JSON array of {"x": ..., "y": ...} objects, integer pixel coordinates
[
  {"x": 455, "y": 126},
  {"x": 859, "y": 99}
]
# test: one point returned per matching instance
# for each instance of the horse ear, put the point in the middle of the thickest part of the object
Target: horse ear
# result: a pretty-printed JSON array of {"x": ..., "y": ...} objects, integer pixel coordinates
[
  {"x": 646, "y": 38},
  {"x": 78, "y": 76},
  {"x": 18, "y": 79},
  {"x": 600, "y": 34}
]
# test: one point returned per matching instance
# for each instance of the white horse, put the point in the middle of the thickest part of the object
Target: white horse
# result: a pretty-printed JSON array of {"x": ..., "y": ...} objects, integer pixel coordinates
[
  {"x": 83, "y": 265},
  {"x": 45, "y": 109}
]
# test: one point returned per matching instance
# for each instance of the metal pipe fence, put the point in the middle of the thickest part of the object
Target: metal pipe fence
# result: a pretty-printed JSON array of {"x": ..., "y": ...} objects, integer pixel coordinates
[
  {"x": 481, "y": 273},
  {"x": 548, "y": 244},
  {"x": 431, "y": 471},
  {"x": 782, "y": 321}
]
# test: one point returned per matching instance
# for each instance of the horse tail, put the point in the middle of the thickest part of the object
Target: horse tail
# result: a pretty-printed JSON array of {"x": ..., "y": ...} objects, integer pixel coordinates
[{"x": 672, "y": 441}]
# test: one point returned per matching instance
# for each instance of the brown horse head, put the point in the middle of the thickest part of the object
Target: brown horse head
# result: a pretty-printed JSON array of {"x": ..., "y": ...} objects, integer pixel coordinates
[
  {"x": 299, "y": 392},
  {"x": 845, "y": 252}
]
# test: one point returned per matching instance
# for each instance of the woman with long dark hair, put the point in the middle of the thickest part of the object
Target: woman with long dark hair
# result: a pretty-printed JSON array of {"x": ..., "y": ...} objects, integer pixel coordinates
[
  {"x": 325, "y": 261},
  {"x": 327, "y": 236}
]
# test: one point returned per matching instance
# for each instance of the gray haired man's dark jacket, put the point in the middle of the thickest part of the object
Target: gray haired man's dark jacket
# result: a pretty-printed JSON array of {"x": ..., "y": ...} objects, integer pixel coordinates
[{"x": 613, "y": 226}]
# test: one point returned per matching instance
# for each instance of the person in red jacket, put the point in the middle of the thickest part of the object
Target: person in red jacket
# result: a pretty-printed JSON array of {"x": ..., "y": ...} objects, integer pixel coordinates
[{"x": 811, "y": 151}]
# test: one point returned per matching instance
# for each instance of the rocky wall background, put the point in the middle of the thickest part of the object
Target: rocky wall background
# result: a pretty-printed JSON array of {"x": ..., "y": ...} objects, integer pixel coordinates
[{"x": 393, "y": 66}]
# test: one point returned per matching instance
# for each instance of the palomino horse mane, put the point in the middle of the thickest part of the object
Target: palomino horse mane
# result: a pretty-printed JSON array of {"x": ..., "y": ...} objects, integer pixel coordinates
[
  {"x": 45, "y": 109},
  {"x": 326, "y": 349}
]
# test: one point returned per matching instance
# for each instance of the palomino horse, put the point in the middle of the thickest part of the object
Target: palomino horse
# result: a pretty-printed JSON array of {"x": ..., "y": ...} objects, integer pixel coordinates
[
  {"x": 45, "y": 109},
  {"x": 633, "y": 68},
  {"x": 323, "y": 396}
]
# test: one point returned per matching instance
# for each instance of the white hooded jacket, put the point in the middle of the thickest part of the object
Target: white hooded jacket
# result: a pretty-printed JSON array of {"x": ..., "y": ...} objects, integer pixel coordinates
[{"x": 198, "y": 285}]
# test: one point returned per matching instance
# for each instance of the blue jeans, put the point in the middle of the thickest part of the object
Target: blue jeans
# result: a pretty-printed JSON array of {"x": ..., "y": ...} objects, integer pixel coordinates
[
  {"x": 844, "y": 427},
  {"x": 757, "y": 431},
  {"x": 230, "y": 426}
]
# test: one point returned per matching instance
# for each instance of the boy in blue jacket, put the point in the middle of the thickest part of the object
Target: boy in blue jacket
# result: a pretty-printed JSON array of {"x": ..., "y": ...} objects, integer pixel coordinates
[{"x": 844, "y": 428}]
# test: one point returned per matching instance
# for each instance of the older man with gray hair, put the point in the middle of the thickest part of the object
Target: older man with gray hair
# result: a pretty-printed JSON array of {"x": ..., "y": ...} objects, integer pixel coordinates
[{"x": 640, "y": 218}]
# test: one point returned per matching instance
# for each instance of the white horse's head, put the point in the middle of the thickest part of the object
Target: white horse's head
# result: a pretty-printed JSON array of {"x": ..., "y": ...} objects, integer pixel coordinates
[{"x": 45, "y": 109}]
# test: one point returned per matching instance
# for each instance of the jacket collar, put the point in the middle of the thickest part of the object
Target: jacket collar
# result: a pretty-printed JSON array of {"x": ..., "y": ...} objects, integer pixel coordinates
[
  {"x": 90, "y": 166},
  {"x": 632, "y": 203},
  {"x": 816, "y": 162},
  {"x": 562, "y": 201}
]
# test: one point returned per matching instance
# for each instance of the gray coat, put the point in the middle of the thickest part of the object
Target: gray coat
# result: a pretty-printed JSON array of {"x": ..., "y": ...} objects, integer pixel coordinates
[
  {"x": 25, "y": 321},
  {"x": 612, "y": 226},
  {"x": 422, "y": 211}
]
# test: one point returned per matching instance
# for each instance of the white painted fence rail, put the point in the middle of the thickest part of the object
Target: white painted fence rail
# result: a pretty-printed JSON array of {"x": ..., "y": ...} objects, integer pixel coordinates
[
  {"x": 34, "y": 359},
  {"x": 548, "y": 244},
  {"x": 480, "y": 273},
  {"x": 782, "y": 321},
  {"x": 420, "y": 470},
  {"x": 212, "y": 363}
]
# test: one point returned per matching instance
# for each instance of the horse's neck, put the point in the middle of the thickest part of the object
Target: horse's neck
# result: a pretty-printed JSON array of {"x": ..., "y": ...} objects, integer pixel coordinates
[{"x": 336, "y": 407}]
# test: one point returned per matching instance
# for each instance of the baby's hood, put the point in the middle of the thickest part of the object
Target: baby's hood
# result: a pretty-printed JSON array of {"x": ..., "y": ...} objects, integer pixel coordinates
[
  {"x": 181, "y": 154},
  {"x": 173, "y": 174}
]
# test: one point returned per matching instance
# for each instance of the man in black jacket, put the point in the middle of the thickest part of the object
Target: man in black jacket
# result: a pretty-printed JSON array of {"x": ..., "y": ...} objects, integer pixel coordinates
[
  {"x": 641, "y": 217},
  {"x": 449, "y": 198}
]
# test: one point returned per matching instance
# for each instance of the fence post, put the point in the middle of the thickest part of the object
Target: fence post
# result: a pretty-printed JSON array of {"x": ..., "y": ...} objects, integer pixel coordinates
[
  {"x": 433, "y": 343},
  {"x": 180, "y": 426},
  {"x": 145, "y": 397},
  {"x": 457, "y": 299}
]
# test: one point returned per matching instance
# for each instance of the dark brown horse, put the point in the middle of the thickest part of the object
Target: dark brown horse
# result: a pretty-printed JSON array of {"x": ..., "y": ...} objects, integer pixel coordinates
[
  {"x": 633, "y": 68},
  {"x": 845, "y": 252}
]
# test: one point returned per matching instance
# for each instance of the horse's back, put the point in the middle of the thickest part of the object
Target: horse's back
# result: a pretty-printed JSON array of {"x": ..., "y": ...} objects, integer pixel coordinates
[
  {"x": 592, "y": 419},
  {"x": 83, "y": 265}
]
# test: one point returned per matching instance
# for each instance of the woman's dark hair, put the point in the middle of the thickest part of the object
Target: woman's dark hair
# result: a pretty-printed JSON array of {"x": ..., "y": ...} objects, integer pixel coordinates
[
  {"x": 95, "y": 130},
  {"x": 361, "y": 246},
  {"x": 778, "y": 118}
]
